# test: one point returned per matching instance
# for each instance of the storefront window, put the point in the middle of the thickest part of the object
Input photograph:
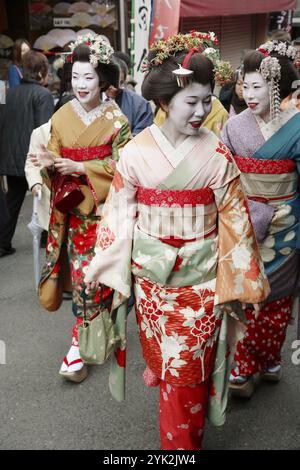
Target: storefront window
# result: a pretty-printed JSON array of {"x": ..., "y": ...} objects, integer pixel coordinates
[{"x": 52, "y": 23}]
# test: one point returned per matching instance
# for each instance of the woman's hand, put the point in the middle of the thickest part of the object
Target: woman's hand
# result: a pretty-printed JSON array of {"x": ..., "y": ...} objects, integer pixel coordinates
[
  {"x": 44, "y": 159},
  {"x": 92, "y": 286},
  {"x": 65, "y": 166},
  {"x": 36, "y": 189}
]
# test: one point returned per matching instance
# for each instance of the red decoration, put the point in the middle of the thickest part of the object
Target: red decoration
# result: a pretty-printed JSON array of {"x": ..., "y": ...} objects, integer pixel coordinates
[
  {"x": 82, "y": 154},
  {"x": 179, "y": 197},
  {"x": 260, "y": 166}
]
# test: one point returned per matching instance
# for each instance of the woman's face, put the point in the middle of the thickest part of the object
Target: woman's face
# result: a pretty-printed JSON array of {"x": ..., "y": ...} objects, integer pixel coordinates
[
  {"x": 24, "y": 48},
  {"x": 239, "y": 89},
  {"x": 85, "y": 83},
  {"x": 256, "y": 94},
  {"x": 189, "y": 108}
]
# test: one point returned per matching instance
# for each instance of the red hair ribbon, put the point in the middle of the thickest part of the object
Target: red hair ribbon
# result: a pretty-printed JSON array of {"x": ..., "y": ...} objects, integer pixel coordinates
[
  {"x": 263, "y": 51},
  {"x": 185, "y": 63}
]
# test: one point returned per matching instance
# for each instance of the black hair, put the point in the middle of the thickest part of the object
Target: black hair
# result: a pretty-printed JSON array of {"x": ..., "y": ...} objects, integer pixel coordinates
[
  {"x": 161, "y": 84},
  {"x": 123, "y": 66},
  {"x": 108, "y": 73}
]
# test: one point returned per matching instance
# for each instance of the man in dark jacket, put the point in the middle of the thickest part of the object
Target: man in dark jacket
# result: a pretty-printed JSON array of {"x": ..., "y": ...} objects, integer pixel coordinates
[
  {"x": 28, "y": 106},
  {"x": 137, "y": 110}
]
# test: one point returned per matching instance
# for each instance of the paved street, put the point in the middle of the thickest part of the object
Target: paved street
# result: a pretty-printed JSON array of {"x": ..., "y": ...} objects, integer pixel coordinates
[{"x": 39, "y": 410}]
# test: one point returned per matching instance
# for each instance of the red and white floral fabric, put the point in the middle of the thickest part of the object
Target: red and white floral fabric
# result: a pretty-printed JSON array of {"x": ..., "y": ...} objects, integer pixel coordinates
[
  {"x": 182, "y": 415},
  {"x": 262, "y": 343}
]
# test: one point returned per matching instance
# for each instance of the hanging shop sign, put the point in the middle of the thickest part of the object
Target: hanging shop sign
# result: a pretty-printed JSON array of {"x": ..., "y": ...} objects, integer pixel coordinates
[
  {"x": 141, "y": 17},
  {"x": 165, "y": 19}
]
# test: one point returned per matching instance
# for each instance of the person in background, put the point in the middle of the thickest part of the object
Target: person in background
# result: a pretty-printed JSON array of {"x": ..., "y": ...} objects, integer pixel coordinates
[
  {"x": 27, "y": 106},
  {"x": 280, "y": 35},
  {"x": 137, "y": 110},
  {"x": 231, "y": 95},
  {"x": 296, "y": 44},
  {"x": 130, "y": 82},
  {"x": 15, "y": 70}
]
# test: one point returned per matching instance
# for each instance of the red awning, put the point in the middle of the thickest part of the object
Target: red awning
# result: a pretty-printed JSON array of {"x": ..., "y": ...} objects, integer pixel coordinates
[{"x": 232, "y": 7}]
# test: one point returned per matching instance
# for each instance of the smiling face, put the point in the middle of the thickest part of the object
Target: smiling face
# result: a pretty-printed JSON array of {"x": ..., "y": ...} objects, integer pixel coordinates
[
  {"x": 257, "y": 94},
  {"x": 189, "y": 108},
  {"x": 85, "y": 84}
]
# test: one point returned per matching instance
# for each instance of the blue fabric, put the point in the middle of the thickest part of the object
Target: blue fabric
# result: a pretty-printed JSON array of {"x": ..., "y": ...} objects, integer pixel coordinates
[
  {"x": 285, "y": 145},
  {"x": 14, "y": 77},
  {"x": 137, "y": 110}
]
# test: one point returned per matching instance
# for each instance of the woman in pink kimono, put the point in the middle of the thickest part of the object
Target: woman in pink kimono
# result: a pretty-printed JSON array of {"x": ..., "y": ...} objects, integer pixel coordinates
[
  {"x": 176, "y": 226},
  {"x": 265, "y": 142}
]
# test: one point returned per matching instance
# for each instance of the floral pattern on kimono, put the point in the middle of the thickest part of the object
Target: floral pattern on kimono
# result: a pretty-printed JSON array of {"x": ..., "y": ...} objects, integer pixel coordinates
[{"x": 179, "y": 288}]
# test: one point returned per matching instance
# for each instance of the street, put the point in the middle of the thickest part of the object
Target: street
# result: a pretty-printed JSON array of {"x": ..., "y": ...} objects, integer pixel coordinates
[{"x": 40, "y": 410}]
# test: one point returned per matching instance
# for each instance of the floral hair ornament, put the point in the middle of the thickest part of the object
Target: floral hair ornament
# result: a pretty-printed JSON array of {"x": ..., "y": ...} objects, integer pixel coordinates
[
  {"x": 270, "y": 70},
  {"x": 194, "y": 42},
  {"x": 100, "y": 50},
  {"x": 282, "y": 48}
]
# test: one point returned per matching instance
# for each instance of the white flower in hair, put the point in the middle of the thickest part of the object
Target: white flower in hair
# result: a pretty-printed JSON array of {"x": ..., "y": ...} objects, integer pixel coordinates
[
  {"x": 280, "y": 47},
  {"x": 270, "y": 68},
  {"x": 100, "y": 50},
  {"x": 209, "y": 50}
]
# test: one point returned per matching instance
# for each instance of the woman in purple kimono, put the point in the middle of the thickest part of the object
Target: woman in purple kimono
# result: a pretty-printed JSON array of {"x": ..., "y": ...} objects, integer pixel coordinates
[{"x": 265, "y": 141}]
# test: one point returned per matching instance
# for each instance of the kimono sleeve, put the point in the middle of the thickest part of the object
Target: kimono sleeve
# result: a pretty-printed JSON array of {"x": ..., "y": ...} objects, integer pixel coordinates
[
  {"x": 111, "y": 264},
  {"x": 100, "y": 172},
  {"x": 225, "y": 136},
  {"x": 240, "y": 274}
]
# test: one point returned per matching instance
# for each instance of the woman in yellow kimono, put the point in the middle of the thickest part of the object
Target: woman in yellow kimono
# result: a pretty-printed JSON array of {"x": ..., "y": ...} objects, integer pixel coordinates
[
  {"x": 177, "y": 220},
  {"x": 78, "y": 165}
]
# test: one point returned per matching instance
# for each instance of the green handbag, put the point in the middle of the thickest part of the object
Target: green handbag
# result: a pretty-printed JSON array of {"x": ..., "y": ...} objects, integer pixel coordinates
[{"x": 96, "y": 337}]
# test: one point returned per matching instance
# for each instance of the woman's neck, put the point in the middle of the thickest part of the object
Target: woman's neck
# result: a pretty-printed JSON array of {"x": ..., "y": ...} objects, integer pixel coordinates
[
  {"x": 88, "y": 107},
  {"x": 172, "y": 134}
]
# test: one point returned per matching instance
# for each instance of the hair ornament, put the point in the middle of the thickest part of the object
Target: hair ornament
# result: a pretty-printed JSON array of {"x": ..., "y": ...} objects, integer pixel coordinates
[
  {"x": 282, "y": 48},
  {"x": 100, "y": 49},
  {"x": 270, "y": 70},
  {"x": 194, "y": 42}
]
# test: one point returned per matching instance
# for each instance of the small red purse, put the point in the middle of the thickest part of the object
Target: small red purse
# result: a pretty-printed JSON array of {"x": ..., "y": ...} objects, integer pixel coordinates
[{"x": 67, "y": 193}]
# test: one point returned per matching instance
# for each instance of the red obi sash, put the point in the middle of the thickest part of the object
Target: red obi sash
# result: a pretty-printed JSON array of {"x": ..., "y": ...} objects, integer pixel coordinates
[
  {"x": 257, "y": 165},
  {"x": 171, "y": 197},
  {"x": 83, "y": 154}
]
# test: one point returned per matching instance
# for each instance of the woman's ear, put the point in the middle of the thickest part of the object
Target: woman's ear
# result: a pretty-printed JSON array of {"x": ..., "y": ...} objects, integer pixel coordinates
[{"x": 164, "y": 105}]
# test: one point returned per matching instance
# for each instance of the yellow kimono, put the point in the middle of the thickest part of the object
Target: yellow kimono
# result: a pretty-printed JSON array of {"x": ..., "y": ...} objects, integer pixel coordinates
[{"x": 94, "y": 138}]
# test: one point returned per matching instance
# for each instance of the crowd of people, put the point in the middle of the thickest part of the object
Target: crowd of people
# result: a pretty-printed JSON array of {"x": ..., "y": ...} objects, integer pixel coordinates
[{"x": 192, "y": 215}]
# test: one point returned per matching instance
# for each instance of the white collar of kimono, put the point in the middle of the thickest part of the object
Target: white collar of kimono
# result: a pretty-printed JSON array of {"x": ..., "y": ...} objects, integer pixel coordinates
[
  {"x": 89, "y": 117},
  {"x": 268, "y": 129},
  {"x": 174, "y": 155}
]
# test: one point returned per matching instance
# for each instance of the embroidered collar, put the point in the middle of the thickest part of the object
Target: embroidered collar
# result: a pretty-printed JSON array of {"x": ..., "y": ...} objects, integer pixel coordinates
[{"x": 89, "y": 117}]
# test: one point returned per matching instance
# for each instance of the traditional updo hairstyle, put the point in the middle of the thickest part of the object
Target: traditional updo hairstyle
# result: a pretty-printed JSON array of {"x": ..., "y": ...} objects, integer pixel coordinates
[
  {"x": 160, "y": 83},
  {"x": 108, "y": 73},
  {"x": 289, "y": 72}
]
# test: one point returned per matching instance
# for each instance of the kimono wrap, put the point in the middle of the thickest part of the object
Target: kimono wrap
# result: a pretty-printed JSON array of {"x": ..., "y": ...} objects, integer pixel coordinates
[
  {"x": 268, "y": 155},
  {"x": 95, "y": 139},
  {"x": 176, "y": 225},
  {"x": 270, "y": 165}
]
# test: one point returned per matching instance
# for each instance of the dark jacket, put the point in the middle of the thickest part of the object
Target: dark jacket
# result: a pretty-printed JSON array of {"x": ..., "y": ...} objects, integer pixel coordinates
[
  {"x": 137, "y": 110},
  {"x": 28, "y": 106}
]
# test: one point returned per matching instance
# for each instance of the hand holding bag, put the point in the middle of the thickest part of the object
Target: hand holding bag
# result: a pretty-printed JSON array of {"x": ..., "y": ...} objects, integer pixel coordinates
[
  {"x": 96, "y": 337},
  {"x": 67, "y": 193}
]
